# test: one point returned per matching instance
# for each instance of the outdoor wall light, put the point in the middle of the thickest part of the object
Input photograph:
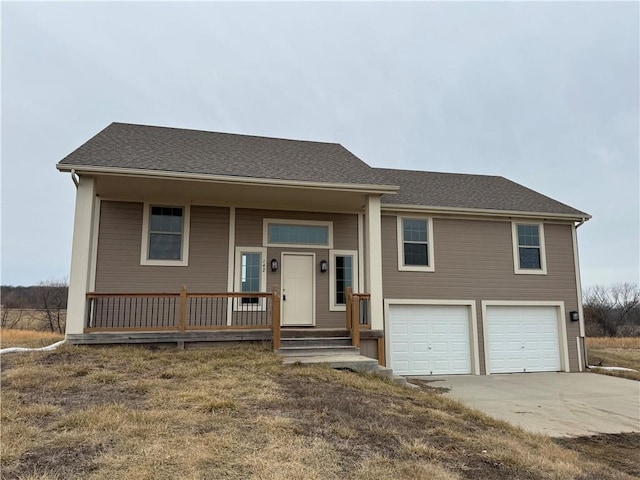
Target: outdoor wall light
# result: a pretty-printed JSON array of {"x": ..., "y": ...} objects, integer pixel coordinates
[
  {"x": 274, "y": 265},
  {"x": 324, "y": 265},
  {"x": 573, "y": 316}
]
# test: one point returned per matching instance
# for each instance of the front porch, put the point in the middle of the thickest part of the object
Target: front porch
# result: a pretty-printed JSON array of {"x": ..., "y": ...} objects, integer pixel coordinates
[{"x": 192, "y": 320}]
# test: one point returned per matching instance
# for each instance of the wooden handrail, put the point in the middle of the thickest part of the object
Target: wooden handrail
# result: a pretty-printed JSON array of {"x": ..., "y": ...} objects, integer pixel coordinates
[
  {"x": 189, "y": 295},
  {"x": 180, "y": 311},
  {"x": 355, "y": 321},
  {"x": 275, "y": 318},
  {"x": 348, "y": 307}
]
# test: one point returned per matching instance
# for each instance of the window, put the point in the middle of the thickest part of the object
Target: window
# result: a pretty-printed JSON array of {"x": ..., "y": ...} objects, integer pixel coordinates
[
  {"x": 343, "y": 273},
  {"x": 250, "y": 264},
  {"x": 415, "y": 244},
  {"x": 165, "y": 235},
  {"x": 251, "y": 276},
  {"x": 528, "y": 248},
  {"x": 297, "y": 233}
]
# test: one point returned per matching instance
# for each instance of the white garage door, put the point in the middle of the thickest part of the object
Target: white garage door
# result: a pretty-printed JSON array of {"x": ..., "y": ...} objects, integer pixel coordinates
[
  {"x": 522, "y": 339},
  {"x": 429, "y": 339}
]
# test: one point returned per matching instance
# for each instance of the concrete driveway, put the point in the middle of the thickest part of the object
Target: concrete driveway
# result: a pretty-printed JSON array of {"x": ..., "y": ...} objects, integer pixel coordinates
[{"x": 555, "y": 404}]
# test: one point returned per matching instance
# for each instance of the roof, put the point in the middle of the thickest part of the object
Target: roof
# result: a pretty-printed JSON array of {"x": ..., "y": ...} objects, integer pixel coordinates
[
  {"x": 464, "y": 191},
  {"x": 141, "y": 147}
]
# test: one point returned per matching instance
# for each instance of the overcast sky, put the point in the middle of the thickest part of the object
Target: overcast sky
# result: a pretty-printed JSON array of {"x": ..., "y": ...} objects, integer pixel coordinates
[{"x": 545, "y": 94}]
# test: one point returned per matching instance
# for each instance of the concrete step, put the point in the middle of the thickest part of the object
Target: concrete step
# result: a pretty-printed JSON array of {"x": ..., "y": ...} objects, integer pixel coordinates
[
  {"x": 385, "y": 372},
  {"x": 316, "y": 342},
  {"x": 353, "y": 362},
  {"x": 342, "y": 358},
  {"x": 315, "y": 351}
]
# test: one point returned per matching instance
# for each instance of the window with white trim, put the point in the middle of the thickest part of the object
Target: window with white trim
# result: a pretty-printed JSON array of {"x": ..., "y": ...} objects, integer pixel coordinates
[
  {"x": 251, "y": 276},
  {"x": 415, "y": 244},
  {"x": 343, "y": 273},
  {"x": 297, "y": 233},
  {"x": 165, "y": 235},
  {"x": 528, "y": 248}
]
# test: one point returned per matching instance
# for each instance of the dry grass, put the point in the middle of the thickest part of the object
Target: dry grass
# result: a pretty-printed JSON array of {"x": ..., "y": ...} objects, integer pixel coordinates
[
  {"x": 26, "y": 318},
  {"x": 27, "y": 338},
  {"x": 625, "y": 343},
  {"x": 615, "y": 352},
  {"x": 236, "y": 413}
]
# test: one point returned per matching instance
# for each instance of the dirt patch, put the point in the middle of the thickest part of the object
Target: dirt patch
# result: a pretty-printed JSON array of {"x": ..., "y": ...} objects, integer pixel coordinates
[
  {"x": 361, "y": 424},
  {"x": 426, "y": 385},
  {"x": 620, "y": 451},
  {"x": 57, "y": 461}
]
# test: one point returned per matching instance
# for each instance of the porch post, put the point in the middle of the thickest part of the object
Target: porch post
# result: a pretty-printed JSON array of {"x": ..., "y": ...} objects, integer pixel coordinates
[
  {"x": 81, "y": 255},
  {"x": 373, "y": 247}
]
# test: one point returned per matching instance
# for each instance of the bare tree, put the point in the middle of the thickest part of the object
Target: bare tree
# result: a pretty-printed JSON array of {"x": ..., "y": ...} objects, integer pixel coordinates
[
  {"x": 52, "y": 299},
  {"x": 10, "y": 317},
  {"x": 613, "y": 310},
  {"x": 12, "y": 311}
]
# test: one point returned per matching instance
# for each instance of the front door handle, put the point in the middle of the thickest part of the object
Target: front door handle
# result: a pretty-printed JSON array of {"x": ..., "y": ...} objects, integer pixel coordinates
[{"x": 284, "y": 297}]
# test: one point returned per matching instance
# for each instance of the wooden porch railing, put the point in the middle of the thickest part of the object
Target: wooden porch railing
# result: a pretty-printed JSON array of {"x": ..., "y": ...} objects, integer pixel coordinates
[
  {"x": 183, "y": 311},
  {"x": 358, "y": 314}
]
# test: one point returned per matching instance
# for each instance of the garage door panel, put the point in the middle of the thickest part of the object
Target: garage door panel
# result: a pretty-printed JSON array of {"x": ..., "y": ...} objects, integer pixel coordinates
[
  {"x": 400, "y": 347},
  {"x": 418, "y": 328},
  {"x": 437, "y": 338},
  {"x": 419, "y": 347},
  {"x": 522, "y": 339},
  {"x": 399, "y": 328}
]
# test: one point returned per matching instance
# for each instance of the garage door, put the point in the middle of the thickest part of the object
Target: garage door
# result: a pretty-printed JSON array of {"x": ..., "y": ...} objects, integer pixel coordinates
[
  {"x": 429, "y": 339},
  {"x": 522, "y": 339}
]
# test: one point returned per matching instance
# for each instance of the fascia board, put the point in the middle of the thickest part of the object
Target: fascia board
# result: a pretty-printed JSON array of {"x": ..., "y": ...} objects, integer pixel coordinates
[
  {"x": 390, "y": 207},
  {"x": 364, "y": 188}
]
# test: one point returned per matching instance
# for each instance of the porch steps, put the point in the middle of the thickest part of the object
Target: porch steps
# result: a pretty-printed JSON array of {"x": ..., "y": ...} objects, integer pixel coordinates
[
  {"x": 298, "y": 342},
  {"x": 336, "y": 352}
]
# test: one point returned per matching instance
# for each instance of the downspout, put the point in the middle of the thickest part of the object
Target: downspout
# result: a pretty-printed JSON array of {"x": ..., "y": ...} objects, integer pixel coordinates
[
  {"x": 75, "y": 178},
  {"x": 583, "y": 343}
]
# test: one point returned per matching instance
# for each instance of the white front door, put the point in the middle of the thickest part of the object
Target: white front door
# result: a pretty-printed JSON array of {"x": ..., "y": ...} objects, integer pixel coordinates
[{"x": 298, "y": 285}]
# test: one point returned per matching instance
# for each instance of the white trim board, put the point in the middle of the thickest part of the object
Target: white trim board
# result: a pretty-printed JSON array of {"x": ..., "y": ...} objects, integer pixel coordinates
[{"x": 231, "y": 262}]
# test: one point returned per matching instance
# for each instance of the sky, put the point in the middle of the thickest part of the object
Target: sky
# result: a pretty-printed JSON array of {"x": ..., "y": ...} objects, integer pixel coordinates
[{"x": 545, "y": 94}]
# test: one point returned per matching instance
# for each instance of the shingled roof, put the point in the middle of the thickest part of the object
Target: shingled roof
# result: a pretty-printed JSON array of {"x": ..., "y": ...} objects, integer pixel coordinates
[
  {"x": 140, "y": 147},
  {"x": 464, "y": 191}
]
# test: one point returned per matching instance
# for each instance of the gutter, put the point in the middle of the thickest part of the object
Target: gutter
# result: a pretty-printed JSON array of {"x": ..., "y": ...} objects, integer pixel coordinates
[
  {"x": 391, "y": 207},
  {"x": 160, "y": 174}
]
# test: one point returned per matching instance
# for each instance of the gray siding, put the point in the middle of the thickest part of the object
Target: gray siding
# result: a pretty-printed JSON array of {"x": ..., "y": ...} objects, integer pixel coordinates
[
  {"x": 474, "y": 261},
  {"x": 118, "y": 267},
  {"x": 345, "y": 237}
]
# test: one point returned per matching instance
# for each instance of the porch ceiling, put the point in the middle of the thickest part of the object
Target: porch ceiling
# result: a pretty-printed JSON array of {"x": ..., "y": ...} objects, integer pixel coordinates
[{"x": 277, "y": 197}]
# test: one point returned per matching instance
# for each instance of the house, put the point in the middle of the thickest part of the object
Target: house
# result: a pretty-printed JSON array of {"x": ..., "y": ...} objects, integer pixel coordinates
[{"x": 203, "y": 236}]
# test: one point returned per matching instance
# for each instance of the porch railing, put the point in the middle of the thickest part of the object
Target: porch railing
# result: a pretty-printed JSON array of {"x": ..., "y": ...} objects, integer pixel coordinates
[
  {"x": 358, "y": 314},
  {"x": 118, "y": 312}
]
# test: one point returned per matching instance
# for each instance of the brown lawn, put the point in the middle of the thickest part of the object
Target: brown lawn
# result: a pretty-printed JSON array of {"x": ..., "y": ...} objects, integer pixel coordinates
[
  {"x": 615, "y": 352},
  {"x": 237, "y": 413}
]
